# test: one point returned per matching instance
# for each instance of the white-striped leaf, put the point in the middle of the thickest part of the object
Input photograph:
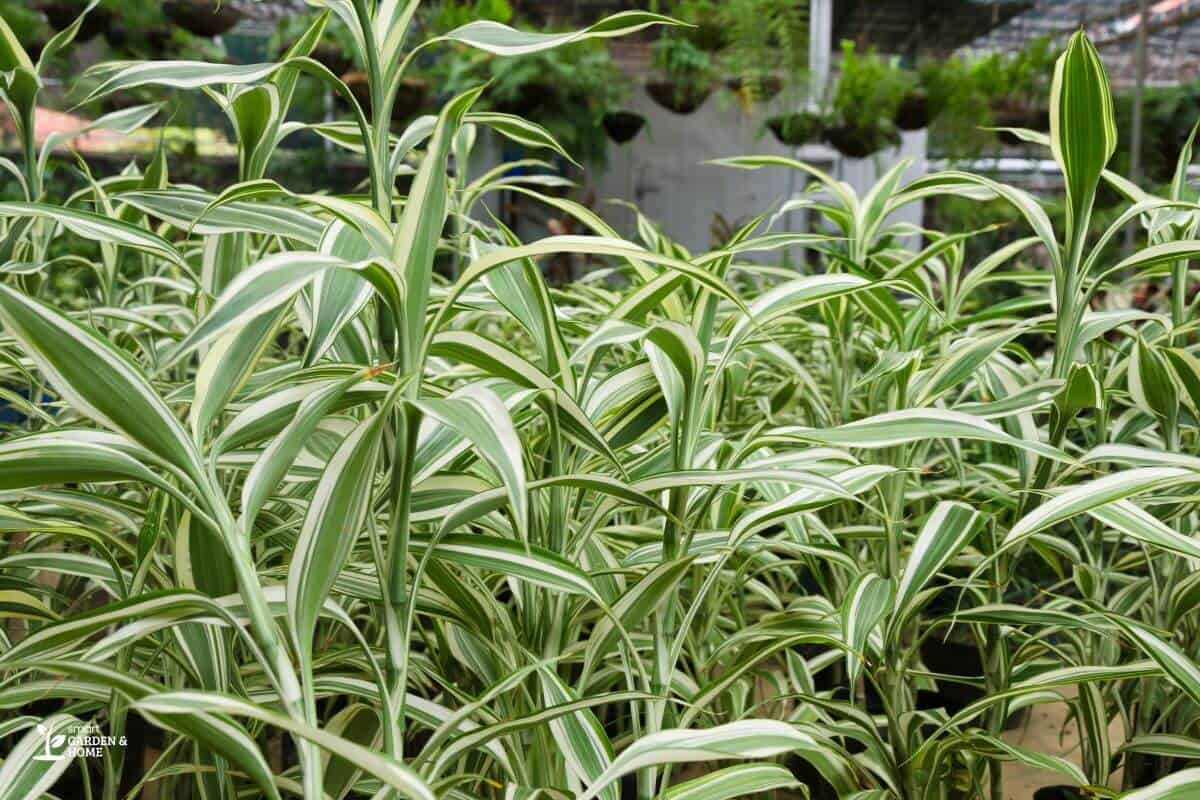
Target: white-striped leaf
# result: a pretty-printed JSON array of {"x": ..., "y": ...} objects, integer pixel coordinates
[
  {"x": 334, "y": 519},
  {"x": 39, "y": 758},
  {"x": 949, "y": 529},
  {"x": 500, "y": 39},
  {"x": 96, "y": 379},
  {"x": 736, "y": 781},
  {"x": 759, "y": 738},
  {"x": 867, "y": 603}
]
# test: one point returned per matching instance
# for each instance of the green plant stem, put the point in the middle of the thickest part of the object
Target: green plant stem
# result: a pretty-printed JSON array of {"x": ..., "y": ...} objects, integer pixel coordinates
[
  {"x": 381, "y": 113},
  {"x": 263, "y": 628},
  {"x": 401, "y": 599},
  {"x": 1179, "y": 272},
  {"x": 33, "y": 175}
]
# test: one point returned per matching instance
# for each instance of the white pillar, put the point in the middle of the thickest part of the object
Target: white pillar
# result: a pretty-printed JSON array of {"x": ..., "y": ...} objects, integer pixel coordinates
[{"x": 820, "y": 47}]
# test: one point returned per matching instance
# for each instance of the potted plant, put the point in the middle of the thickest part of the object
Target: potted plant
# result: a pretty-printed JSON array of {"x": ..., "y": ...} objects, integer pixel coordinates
[
  {"x": 708, "y": 29},
  {"x": 940, "y": 86},
  {"x": 869, "y": 92},
  {"x": 61, "y": 13},
  {"x": 568, "y": 90},
  {"x": 207, "y": 18},
  {"x": 959, "y": 110},
  {"x": 412, "y": 96},
  {"x": 797, "y": 128},
  {"x": 333, "y": 51},
  {"x": 922, "y": 103},
  {"x": 766, "y": 47},
  {"x": 754, "y": 87},
  {"x": 688, "y": 74},
  {"x": 1016, "y": 86},
  {"x": 622, "y": 126}
]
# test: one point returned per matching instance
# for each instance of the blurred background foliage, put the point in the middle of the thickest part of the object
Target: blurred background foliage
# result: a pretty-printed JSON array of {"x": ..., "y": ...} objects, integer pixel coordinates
[{"x": 753, "y": 53}]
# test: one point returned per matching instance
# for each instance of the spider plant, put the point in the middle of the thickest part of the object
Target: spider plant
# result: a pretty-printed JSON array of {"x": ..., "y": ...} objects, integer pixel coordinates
[{"x": 341, "y": 495}]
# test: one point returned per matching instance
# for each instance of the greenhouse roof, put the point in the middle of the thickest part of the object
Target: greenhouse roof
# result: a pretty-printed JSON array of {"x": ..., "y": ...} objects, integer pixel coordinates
[
  {"x": 1173, "y": 28},
  {"x": 921, "y": 26}
]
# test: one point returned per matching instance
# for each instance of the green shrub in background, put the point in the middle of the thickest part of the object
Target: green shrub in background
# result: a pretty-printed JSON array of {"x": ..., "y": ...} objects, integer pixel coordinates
[
  {"x": 567, "y": 91},
  {"x": 867, "y": 94}
]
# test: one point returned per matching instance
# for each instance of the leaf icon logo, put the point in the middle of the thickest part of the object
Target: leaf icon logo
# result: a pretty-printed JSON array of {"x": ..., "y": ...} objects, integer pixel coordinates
[{"x": 51, "y": 742}]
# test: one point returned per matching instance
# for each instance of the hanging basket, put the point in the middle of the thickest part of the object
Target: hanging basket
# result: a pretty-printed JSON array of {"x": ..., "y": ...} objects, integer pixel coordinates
[
  {"x": 332, "y": 57},
  {"x": 152, "y": 44},
  {"x": 680, "y": 99},
  {"x": 915, "y": 111},
  {"x": 796, "y": 129},
  {"x": 622, "y": 126},
  {"x": 411, "y": 98},
  {"x": 709, "y": 35},
  {"x": 857, "y": 141},
  {"x": 1014, "y": 114},
  {"x": 61, "y": 13},
  {"x": 756, "y": 90},
  {"x": 206, "y": 18},
  {"x": 529, "y": 99}
]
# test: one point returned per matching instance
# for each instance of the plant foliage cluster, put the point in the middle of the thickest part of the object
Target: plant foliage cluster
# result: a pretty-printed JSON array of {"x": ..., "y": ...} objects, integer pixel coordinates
[{"x": 312, "y": 516}]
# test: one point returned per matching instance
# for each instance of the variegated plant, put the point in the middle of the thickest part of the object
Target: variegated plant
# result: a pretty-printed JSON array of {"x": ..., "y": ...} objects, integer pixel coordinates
[{"x": 341, "y": 496}]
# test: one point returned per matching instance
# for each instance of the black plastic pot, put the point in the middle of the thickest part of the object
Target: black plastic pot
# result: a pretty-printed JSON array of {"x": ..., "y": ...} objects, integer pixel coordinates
[
  {"x": 1059, "y": 793},
  {"x": 855, "y": 141},
  {"x": 143, "y": 743},
  {"x": 680, "y": 99},
  {"x": 151, "y": 44},
  {"x": 411, "y": 97},
  {"x": 333, "y": 58},
  {"x": 959, "y": 660},
  {"x": 1143, "y": 769},
  {"x": 797, "y": 129},
  {"x": 205, "y": 18},
  {"x": 531, "y": 98},
  {"x": 622, "y": 126},
  {"x": 914, "y": 112},
  {"x": 806, "y": 773},
  {"x": 61, "y": 13},
  {"x": 1016, "y": 719}
]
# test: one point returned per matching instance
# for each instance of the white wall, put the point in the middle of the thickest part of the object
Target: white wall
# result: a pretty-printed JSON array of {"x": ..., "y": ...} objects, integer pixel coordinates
[{"x": 663, "y": 169}]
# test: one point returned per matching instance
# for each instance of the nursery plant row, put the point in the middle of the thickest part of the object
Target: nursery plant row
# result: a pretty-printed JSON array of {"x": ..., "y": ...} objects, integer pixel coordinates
[{"x": 321, "y": 495}]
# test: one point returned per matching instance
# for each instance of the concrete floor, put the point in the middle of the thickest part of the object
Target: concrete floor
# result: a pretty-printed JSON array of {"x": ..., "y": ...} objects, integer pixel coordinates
[{"x": 1046, "y": 730}]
